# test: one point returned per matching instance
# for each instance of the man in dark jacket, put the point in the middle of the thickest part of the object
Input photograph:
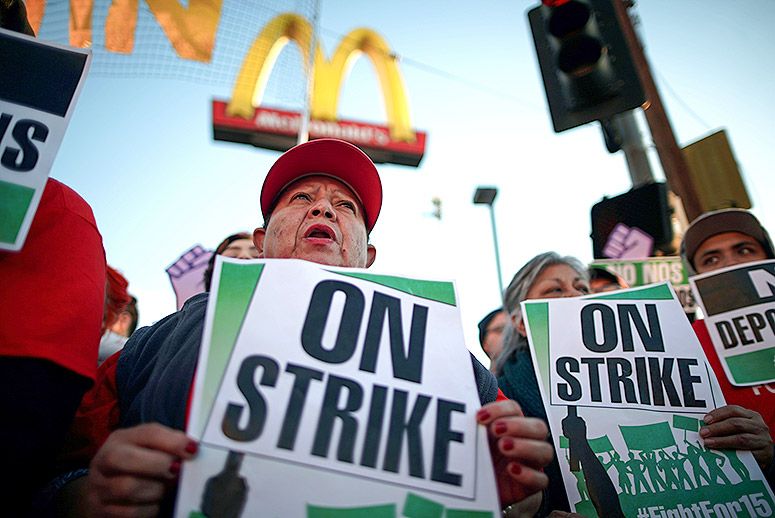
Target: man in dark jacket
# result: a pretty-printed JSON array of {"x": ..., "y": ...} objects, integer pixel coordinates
[{"x": 320, "y": 200}]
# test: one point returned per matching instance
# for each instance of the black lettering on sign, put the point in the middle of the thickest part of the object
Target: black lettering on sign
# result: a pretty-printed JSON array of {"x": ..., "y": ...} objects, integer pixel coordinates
[
  {"x": 317, "y": 316},
  {"x": 593, "y": 367},
  {"x": 24, "y": 132},
  {"x": 688, "y": 380},
  {"x": 662, "y": 382},
  {"x": 619, "y": 372},
  {"x": 570, "y": 391},
  {"x": 407, "y": 365},
  {"x": 400, "y": 427},
  {"x": 588, "y": 332},
  {"x": 651, "y": 337},
  {"x": 443, "y": 436},
  {"x": 5, "y": 121},
  {"x": 257, "y": 409},
  {"x": 303, "y": 376},
  {"x": 374, "y": 426},
  {"x": 331, "y": 411}
]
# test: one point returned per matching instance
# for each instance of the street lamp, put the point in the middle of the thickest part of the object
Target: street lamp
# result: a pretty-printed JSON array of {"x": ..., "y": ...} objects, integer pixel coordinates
[{"x": 486, "y": 196}]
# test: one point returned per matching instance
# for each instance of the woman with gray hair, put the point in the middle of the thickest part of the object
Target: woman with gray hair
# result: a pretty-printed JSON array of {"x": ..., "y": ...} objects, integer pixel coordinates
[{"x": 545, "y": 276}]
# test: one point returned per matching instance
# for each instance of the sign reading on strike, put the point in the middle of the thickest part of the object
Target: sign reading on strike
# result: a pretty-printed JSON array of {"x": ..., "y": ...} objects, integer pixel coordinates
[
  {"x": 40, "y": 85},
  {"x": 322, "y": 391},
  {"x": 626, "y": 385},
  {"x": 739, "y": 307}
]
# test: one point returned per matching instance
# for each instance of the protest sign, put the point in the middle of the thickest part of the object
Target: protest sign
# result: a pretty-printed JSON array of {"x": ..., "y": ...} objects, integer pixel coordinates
[
  {"x": 739, "y": 307},
  {"x": 626, "y": 385},
  {"x": 325, "y": 392},
  {"x": 642, "y": 272},
  {"x": 39, "y": 86}
]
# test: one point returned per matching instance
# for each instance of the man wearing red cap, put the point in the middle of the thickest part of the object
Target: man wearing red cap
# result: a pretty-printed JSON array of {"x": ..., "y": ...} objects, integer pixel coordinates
[
  {"x": 713, "y": 241},
  {"x": 319, "y": 201}
]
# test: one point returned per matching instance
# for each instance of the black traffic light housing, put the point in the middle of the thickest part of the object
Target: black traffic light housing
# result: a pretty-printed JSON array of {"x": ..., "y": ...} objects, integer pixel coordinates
[
  {"x": 585, "y": 62},
  {"x": 645, "y": 207}
]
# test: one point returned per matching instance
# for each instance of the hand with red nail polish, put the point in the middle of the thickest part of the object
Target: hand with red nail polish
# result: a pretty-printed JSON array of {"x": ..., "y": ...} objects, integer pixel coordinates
[
  {"x": 519, "y": 450},
  {"x": 132, "y": 472}
]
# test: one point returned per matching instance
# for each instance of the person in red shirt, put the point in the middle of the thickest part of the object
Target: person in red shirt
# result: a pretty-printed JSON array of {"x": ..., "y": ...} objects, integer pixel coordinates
[
  {"x": 713, "y": 241},
  {"x": 51, "y": 307}
]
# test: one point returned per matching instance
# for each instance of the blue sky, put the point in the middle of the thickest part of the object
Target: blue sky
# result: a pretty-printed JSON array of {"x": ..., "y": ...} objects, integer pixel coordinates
[{"x": 140, "y": 149}]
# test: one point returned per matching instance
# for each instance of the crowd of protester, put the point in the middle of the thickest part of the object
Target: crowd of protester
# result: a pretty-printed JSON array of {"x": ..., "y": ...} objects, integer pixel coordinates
[{"x": 81, "y": 441}]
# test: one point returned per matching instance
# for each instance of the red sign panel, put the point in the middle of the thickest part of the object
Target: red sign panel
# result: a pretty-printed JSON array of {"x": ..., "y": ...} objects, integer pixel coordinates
[{"x": 278, "y": 129}]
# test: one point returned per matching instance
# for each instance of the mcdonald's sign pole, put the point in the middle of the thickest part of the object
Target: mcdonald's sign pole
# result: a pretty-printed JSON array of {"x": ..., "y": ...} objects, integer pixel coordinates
[{"x": 244, "y": 119}]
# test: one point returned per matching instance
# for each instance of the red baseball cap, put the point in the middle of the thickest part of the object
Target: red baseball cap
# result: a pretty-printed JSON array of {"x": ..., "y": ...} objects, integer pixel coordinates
[{"x": 328, "y": 157}]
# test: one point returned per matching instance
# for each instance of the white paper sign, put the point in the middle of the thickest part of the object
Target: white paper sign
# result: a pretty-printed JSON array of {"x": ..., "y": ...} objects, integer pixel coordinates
[
  {"x": 35, "y": 108},
  {"x": 626, "y": 386},
  {"x": 739, "y": 307},
  {"x": 329, "y": 391}
]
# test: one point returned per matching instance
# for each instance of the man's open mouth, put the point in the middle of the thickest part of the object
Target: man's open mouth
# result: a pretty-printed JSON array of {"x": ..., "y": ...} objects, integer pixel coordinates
[{"x": 320, "y": 232}]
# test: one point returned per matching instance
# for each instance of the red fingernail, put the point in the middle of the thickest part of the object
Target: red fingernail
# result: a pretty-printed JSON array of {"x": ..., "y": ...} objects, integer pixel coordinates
[
  {"x": 175, "y": 467},
  {"x": 515, "y": 468},
  {"x": 508, "y": 444},
  {"x": 483, "y": 415},
  {"x": 192, "y": 447},
  {"x": 500, "y": 428}
]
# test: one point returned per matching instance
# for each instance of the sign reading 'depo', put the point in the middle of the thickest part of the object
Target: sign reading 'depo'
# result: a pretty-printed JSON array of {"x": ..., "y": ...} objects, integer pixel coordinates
[
  {"x": 321, "y": 389},
  {"x": 739, "y": 307},
  {"x": 39, "y": 85}
]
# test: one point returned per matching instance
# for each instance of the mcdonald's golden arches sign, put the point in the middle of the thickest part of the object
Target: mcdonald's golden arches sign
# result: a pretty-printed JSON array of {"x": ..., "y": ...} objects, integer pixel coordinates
[{"x": 239, "y": 120}]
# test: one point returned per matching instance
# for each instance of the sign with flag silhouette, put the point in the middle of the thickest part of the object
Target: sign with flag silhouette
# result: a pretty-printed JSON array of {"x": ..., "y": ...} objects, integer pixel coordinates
[{"x": 626, "y": 385}]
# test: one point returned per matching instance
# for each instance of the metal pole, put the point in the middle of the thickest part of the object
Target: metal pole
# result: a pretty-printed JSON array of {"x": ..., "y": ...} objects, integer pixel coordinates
[
  {"x": 310, "y": 68},
  {"x": 497, "y": 253},
  {"x": 634, "y": 149},
  {"x": 670, "y": 154}
]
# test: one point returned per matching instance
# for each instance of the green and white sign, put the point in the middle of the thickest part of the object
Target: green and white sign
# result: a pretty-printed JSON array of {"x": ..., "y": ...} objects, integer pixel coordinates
[
  {"x": 35, "y": 108},
  {"x": 334, "y": 392},
  {"x": 626, "y": 385},
  {"x": 652, "y": 270},
  {"x": 739, "y": 307}
]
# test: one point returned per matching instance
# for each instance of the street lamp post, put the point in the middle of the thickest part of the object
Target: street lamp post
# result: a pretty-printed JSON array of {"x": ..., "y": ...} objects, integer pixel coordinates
[{"x": 486, "y": 196}]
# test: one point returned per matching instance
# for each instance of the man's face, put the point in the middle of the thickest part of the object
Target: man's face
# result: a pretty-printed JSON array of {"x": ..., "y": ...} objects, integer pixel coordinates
[
  {"x": 727, "y": 249},
  {"x": 318, "y": 219},
  {"x": 493, "y": 337}
]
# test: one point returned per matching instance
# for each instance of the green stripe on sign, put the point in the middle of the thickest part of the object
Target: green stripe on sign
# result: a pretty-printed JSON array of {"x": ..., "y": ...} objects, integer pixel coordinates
[
  {"x": 14, "y": 202},
  {"x": 443, "y": 292},
  {"x": 537, "y": 314},
  {"x": 235, "y": 291},
  {"x": 755, "y": 367},
  {"x": 659, "y": 292},
  {"x": 690, "y": 424}
]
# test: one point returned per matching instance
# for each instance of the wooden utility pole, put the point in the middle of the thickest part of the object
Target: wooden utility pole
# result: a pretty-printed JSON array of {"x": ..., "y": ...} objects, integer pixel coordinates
[{"x": 670, "y": 154}]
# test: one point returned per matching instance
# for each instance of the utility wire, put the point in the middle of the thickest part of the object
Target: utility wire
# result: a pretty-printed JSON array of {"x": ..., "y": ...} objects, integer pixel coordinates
[
  {"x": 443, "y": 73},
  {"x": 680, "y": 101}
]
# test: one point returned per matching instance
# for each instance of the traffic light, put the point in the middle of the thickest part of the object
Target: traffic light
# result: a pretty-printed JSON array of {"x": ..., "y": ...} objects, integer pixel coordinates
[
  {"x": 644, "y": 208},
  {"x": 585, "y": 61}
]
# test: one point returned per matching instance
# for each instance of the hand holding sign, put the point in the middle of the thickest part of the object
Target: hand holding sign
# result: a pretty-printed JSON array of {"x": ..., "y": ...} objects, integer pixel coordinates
[
  {"x": 519, "y": 449},
  {"x": 186, "y": 274},
  {"x": 736, "y": 428},
  {"x": 131, "y": 472}
]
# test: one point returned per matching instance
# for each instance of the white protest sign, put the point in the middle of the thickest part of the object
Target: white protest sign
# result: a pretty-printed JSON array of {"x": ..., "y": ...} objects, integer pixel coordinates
[
  {"x": 326, "y": 391},
  {"x": 739, "y": 307},
  {"x": 35, "y": 108},
  {"x": 626, "y": 385}
]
